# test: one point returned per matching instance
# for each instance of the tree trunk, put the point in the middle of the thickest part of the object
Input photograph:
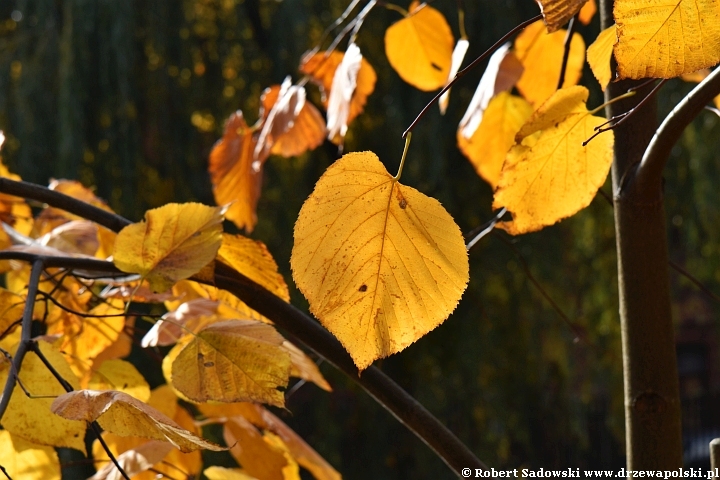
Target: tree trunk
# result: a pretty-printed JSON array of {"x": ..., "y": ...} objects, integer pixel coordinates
[{"x": 652, "y": 398}]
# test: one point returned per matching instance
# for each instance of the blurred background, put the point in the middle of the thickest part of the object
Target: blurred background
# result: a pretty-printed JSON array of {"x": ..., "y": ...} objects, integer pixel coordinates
[{"x": 129, "y": 97}]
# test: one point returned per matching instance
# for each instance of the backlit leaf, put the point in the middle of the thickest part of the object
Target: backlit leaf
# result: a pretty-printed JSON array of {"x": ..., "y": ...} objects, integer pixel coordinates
[
  {"x": 666, "y": 38},
  {"x": 232, "y": 361},
  {"x": 419, "y": 47},
  {"x": 257, "y": 457},
  {"x": 549, "y": 175},
  {"x": 487, "y": 147},
  {"x": 380, "y": 263},
  {"x": 25, "y": 414},
  {"x": 321, "y": 68},
  {"x": 233, "y": 174},
  {"x": 305, "y": 131},
  {"x": 222, "y": 473},
  {"x": 11, "y": 311},
  {"x": 121, "y": 376},
  {"x": 22, "y": 460},
  {"x": 174, "y": 242},
  {"x": 558, "y": 12},
  {"x": 541, "y": 55},
  {"x": 599, "y": 55},
  {"x": 123, "y": 415}
]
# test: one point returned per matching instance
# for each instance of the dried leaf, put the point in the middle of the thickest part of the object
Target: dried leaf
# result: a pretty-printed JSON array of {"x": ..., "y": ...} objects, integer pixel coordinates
[
  {"x": 419, "y": 48},
  {"x": 380, "y": 263},
  {"x": 233, "y": 174},
  {"x": 343, "y": 87},
  {"x": 174, "y": 242},
  {"x": 121, "y": 414},
  {"x": 558, "y": 12}
]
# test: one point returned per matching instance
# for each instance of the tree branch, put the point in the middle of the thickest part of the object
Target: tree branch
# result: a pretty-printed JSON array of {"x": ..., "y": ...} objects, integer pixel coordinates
[
  {"x": 303, "y": 328},
  {"x": 649, "y": 172}
]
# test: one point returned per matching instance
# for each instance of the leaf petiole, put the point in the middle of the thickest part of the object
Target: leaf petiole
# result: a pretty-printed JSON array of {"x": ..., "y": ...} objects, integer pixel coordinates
[{"x": 402, "y": 160}]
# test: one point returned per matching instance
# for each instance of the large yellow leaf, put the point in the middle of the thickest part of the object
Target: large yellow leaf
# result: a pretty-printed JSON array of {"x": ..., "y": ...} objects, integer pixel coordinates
[
  {"x": 419, "y": 47},
  {"x": 123, "y": 415},
  {"x": 174, "y": 242},
  {"x": 380, "y": 263},
  {"x": 122, "y": 376},
  {"x": 666, "y": 38},
  {"x": 23, "y": 460},
  {"x": 541, "y": 56},
  {"x": 25, "y": 415},
  {"x": 232, "y": 361},
  {"x": 599, "y": 55},
  {"x": 235, "y": 176},
  {"x": 558, "y": 12},
  {"x": 549, "y": 175},
  {"x": 489, "y": 144}
]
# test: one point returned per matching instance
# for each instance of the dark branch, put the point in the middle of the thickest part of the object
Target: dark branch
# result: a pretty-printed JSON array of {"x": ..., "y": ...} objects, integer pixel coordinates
[
  {"x": 649, "y": 172},
  {"x": 303, "y": 328},
  {"x": 566, "y": 50}
]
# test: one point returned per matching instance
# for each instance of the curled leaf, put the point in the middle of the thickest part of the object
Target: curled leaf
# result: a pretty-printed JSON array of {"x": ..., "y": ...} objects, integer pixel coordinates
[
  {"x": 380, "y": 263},
  {"x": 343, "y": 87}
]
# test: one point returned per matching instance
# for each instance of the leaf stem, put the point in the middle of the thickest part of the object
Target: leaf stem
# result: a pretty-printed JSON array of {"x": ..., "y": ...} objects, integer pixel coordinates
[
  {"x": 404, "y": 155},
  {"x": 465, "y": 70}
]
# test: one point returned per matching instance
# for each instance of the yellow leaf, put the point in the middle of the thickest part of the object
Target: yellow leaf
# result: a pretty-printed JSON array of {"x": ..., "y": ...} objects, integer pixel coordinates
[
  {"x": 14, "y": 210},
  {"x": 380, "y": 263},
  {"x": 121, "y": 414},
  {"x": 419, "y": 47},
  {"x": 541, "y": 55},
  {"x": 121, "y": 376},
  {"x": 252, "y": 259},
  {"x": 233, "y": 361},
  {"x": 666, "y": 38},
  {"x": 599, "y": 55},
  {"x": 550, "y": 175},
  {"x": 174, "y": 242},
  {"x": 257, "y": 457},
  {"x": 487, "y": 147},
  {"x": 587, "y": 12},
  {"x": 23, "y": 460},
  {"x": 11, "y": 311},
  {"x": 186, "y": 291},
  {"x": 222, "y": 473},
  {"x": 558, "y": 12},
  {"x": 233, "y": 174},
  {"x": 25, "y": 414}
]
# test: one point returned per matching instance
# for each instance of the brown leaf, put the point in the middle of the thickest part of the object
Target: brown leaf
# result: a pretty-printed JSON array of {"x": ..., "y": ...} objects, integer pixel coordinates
[
  {"x": 134, "y": 461},
  {"x": 233, "y": 172},
  {"x": 123, "y": 415},
  {"x": 558, "y": 12}
]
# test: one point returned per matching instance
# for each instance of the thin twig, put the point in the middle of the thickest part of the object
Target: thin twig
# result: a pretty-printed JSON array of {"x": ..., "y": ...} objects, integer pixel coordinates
[
  {"x": 484, "y": 229},
  {"x": 68, "y": 388},
  {"x": 22, "y": 349},
  {"x": 566, "y": 50},
  {"x": 465, "y": 70},
  {"x": 694, "y": 280}
]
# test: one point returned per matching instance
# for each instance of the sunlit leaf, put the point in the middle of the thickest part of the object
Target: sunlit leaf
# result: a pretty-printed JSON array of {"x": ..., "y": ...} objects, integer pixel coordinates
[
  {"x": 11, "y": 311},
  {"x": 549, "y": 175},
  {"x": 321, "y": 68},
  {"x": 121, "y": 376},
  {"x": 14, "y": 210},
  {"x": 187, "y": 290},
  {"x": 380, "y": 263},
  {"x": 233, "y": 361},
  {"x": 222, "y": 473},
  {"x": 487, "y": 147},
  {"x": 458, "y": 55},
  {"x": 599, "y": 55},
  {"x": 304, "y": 131},
  {"x": 419, "y": 47},
  {"x": 22, "y": 460},
  {"x": 541, "y": 55},
  {"x": 234, "y": 174},
  {"x": 257, "y": 457},
  {"x": 666, "y": 38},
  {"x": 121, "y": 414},
  {"x": 174, "y": 242},
  {"x": 587, "y": 12},
  {"x": 558, "y": 12},
  {"x": 25, "y": 414},
  {"x": 135, "y": 461}
]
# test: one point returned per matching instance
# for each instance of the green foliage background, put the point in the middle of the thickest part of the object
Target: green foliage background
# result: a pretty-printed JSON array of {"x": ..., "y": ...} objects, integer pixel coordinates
[{"x": 129, "y": 97}]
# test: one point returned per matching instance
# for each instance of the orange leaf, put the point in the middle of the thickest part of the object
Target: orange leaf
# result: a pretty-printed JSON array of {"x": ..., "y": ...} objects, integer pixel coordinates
[
  {"x": 419, "y": 48},
  {"x": 587, "y": 12},
  {"x": 303, "y": 131},
  {"x": 321, "y": 68},
  {"x": 257, "y": 457},
  {"x": 541, "y": 55},
  {"x": 233, "y": 174}
]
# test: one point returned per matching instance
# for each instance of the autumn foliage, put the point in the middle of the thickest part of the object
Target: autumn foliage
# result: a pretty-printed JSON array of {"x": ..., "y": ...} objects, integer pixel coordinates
[{"x": 380, "y": 263}]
